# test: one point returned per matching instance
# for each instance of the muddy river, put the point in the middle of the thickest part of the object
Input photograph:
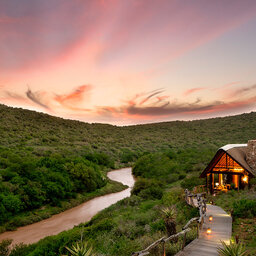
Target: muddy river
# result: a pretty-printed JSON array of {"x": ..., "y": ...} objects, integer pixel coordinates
[{"x": 74, "y": 216}]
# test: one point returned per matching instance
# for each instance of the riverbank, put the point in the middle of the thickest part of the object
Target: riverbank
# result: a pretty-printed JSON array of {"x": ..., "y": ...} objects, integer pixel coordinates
[
  {"x": 47, "y": 211},
  {"x": 68, "y": 219}
]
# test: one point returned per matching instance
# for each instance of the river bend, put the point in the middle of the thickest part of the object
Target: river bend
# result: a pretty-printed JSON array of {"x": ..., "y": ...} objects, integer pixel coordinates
[{"x": 74, "y": 216}]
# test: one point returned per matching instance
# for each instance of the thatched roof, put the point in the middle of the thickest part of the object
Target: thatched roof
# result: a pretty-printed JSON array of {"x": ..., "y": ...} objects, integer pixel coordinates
[{"x": 235, "y": 151}]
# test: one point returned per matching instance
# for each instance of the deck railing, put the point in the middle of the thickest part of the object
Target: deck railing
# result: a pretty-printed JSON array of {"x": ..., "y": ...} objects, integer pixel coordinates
[{"x": 201, "y": 205}]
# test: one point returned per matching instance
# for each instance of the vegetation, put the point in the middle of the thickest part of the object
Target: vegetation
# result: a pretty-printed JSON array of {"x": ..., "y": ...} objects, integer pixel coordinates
[
  {"x": 48, "y": 164},
  {"x": 24, "y": 131},
  {"x": 127, "y": 226},
  {"x": 169, "y": 220},
  {"x": 80, "y": 249},
  {"x": 232, "y": 249},
  {"x": 29, "y": 183}
]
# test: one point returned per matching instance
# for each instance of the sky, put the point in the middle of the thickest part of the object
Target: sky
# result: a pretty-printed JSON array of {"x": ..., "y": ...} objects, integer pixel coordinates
[{"x": 129, "y": 62}]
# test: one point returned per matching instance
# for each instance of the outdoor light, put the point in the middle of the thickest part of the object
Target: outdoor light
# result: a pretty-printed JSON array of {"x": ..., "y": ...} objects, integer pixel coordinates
[
  {"x": 217, "y": 183},
  {"x": 209, "y": 231},
  {"x": 210, "y": 218},
  {"x": 245, "y": 178}
]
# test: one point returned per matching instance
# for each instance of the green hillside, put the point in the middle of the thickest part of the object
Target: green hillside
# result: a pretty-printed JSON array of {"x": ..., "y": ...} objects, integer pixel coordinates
[
  {"x": 48, "y": 164},
  {"x": 43, "y": 134}
]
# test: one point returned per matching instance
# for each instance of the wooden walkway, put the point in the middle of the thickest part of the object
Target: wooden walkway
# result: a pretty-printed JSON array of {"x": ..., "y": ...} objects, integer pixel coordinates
[{"x": 206, "y": 245}]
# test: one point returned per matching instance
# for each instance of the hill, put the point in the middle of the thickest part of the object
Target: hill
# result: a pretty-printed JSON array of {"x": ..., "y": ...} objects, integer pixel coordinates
[
  {"x": 44, "y": 134},
  {"x": 45, "y": 163}
]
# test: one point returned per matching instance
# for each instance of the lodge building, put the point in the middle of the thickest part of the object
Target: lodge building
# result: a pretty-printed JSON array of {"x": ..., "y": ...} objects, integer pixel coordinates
[{"x": 232, "y": 167}]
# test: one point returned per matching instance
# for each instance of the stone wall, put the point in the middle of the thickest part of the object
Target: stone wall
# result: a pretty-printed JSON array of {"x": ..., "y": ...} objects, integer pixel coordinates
[{"x": 251, "y": 154}]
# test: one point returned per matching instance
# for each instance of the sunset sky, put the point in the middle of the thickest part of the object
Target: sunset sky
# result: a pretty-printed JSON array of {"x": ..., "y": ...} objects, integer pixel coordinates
[{"x": 129, "y": 61}]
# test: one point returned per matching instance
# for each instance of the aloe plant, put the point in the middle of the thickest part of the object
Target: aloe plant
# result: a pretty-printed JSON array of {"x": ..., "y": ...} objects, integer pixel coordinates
[
  {"x": 169, "y": 220},
  {"x": 80, "y": 249},
  {"x": 232, "y": 249}
]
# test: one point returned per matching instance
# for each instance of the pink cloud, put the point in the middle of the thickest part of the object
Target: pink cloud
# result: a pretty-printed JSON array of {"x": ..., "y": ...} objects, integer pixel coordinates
[
  {"x": 190, "y": 91},
  {"x": 6, "y": 19},
  {"x": 150, "y": 106},
  {"x": 74, "y": 98},
  {"x": 147, "y": 107}
]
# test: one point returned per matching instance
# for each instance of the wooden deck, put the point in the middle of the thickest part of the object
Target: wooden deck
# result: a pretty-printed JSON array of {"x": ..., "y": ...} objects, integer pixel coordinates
[{"x": 206, "y": 245}]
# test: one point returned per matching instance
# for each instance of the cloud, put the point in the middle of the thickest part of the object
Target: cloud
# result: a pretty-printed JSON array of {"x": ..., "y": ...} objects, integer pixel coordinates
[
  {"x": 150, "y": 96},
  {"x": 38, "y": 98},
  {"x": 172, "y": 109},
  {"x": 49, "y": 101},
  {"x": 243, "y": 90},
  {"x": 74, "y": 98},
  {"x": 190, "y": 91},
  {"x": 11, "y": 98},
  {"x": 13, "y": 95},
  {"x": 154, "y": 106},
  {"x": 6, "y": 19},
  {"x": 230, "y": 92}
]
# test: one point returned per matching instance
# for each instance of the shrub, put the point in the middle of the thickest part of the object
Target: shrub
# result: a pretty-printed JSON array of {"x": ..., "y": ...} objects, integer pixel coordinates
[
  {"x": 12, "y": 203},
  {"x": 153, "y": 192},
  {"x": 173, "y": 196},
  {"x": 4, "y": 247},
  {"x": 190, "y": 183},
  {"x": 172, "y": 178},
  {"x": 182, "y": 176},
  {"x": 20, "y": 250},
  {"x": 155, "y": 165},
  {"x": 147, "y": 189},
  {"x": 80, "y": 249},
  {"x": 233, "y": 249},
  {"x": 244, "y": 208}
]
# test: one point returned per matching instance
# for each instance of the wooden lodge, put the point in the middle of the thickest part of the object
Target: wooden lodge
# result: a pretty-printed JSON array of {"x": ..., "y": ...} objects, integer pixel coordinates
[{"x": 231, "y": 168}]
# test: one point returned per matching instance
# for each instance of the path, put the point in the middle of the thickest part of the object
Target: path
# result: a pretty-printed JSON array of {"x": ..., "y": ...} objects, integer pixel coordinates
[
  {"x": 74, "y": 216},
  {"x": 206, "y": 245}
]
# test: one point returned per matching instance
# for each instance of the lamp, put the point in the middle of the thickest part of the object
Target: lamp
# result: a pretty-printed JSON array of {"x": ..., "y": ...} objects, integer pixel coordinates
[
  {"x": 209, "y": 231},
  {"x": 210, "y": 218},
  {"x": 245, "y": 178}
]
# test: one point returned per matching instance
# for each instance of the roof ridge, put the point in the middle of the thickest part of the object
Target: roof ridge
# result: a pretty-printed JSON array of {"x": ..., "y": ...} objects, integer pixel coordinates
[{"x": 229, "y": 146}]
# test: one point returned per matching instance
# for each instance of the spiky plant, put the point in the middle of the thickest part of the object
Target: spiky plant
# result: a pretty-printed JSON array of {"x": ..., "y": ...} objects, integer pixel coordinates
[
  {"x": 80, "y": 249},
  {"x": 232, "y": 249},
  {"x": 169, "y": 215}
]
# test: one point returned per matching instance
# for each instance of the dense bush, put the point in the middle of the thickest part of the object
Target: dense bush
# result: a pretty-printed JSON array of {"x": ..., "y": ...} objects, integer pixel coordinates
[
  {"x": 147, "y": 189},
  {"x": 244, "y": 208},
  {"x": 155, "y": 166},
  {"x": 190, "y": 183},
  {"x": 28, "y": 183}
]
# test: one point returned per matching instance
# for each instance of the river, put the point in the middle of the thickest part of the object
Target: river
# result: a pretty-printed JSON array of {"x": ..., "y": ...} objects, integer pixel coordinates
[{"x": 74, "y": 216}]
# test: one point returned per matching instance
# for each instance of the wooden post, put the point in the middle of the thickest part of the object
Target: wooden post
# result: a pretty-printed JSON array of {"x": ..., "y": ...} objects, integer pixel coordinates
[
  {"x": 206, "y": 183},
  {"x": 211, "y": 181},
  {"x": 184, "y": 241},
  {"x": 164, "y": 249}
]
